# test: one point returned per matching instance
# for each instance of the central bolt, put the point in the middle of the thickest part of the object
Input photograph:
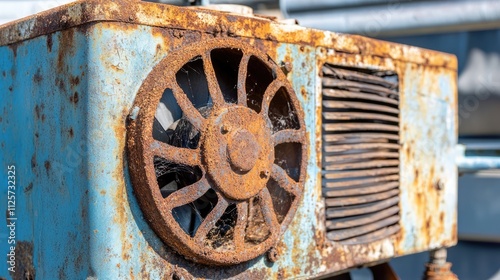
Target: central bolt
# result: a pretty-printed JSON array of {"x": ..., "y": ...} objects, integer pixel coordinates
[{"x": 243, "y": 150}]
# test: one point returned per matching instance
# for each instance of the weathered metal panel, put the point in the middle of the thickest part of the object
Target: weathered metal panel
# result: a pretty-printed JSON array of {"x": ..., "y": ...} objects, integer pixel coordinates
[
  {"x": 427, "y": 170},
  {"x": 43, "y": 132},
  {"x": 68, "y": 88},
  {"x": 116, "y": 221}
]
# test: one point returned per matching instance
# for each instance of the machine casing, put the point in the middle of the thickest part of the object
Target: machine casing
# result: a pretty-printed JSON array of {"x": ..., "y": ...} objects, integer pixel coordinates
[{"x": 69, "y": 77}]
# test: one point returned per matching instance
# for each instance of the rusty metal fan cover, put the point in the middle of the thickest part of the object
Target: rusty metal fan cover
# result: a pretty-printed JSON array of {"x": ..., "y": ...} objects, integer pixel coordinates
[{"x": 238, "y": 171}]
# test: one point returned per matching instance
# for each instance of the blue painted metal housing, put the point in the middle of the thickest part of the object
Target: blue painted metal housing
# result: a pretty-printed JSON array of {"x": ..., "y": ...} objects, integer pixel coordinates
[{"x": 69, "y": 78}]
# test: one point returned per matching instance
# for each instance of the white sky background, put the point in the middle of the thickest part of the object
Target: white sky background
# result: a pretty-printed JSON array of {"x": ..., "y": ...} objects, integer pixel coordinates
[{"x": 11, "y": 9}]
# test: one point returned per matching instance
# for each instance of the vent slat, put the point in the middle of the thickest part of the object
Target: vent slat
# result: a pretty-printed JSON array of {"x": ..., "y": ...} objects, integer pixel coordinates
[
  {"x": 362, "y": 190},
  {"x": 361, "y": 209},
  {"x": 360, "y": 165},
  {"x": 357, "y": 76},
  {"x": 360, "y": 137},
  {"x": 361, "y": 173},
  {"x": 356, "y": 87},
  {"x": 360, "y": 154},
  {"x": 361, "y": 199},
  {"x": 337, "y": 127},
  {"x": 339, "y": 235},
  {"x": 359, "y": 106},
  {"x": 360, "y": 146},
  {"x": 357, "y": 183},
  {"x": 373, "y": 236},
  {"x": 337, "y": 93},
  {"x": 361, "y": 220},
  {"x": 349, "y": 116}
]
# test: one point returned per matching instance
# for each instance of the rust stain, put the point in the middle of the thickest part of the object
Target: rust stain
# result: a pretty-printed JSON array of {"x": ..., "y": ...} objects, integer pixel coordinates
[
  {"x": 74, "y": 81},
  {"x": 28, "y": 188},
  {"x": 454, "y": 235},
  {"x": 13, "y": 48},
  {"x": 116, "y": 68},
  {"x": 24, "y": 261},
  {"x": 120, "y": 195},
  {"x": 49, "y": 42},
  {"x": 74, "y": 98},
  {"x": 66, "y": 49},
  {"x": 47, "y": 166},
  {"x": 37, "y": 78},
  {"x": 303, "y": 92},
  {"x": 37, "y": 112},
  {"x": 33, "y": 162},
  {"x": 60, "y": 84}
]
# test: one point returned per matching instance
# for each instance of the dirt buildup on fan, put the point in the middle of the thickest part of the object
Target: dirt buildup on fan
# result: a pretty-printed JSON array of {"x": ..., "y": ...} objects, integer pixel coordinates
[
  {"x": 221, "y": 236},
  {"x": 282, "y": 112},
  {"x": 182, "y": 134},
  {"x": 257, "y": 229}
]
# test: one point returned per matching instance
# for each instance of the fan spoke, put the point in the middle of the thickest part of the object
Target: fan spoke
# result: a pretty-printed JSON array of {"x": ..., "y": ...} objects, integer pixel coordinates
[
  {"x": 241, "y": 224},
  {"x": 287, "y": 183},
  {"x": 211, "y": 219},
  {"x": 242, "y": 79},
  {"x": 288, "y": 136},
  {"x": 268, "y": 210},
  {"x": 269, "y": 94},
  {"x": 213, "y": 84},
  {"x": 174, "y": 154},
  {"x": 193, "y": 115},
  {"x": 187, "y": 194}
]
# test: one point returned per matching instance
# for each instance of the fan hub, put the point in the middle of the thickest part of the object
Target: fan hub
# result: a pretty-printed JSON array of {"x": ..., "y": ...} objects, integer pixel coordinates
[
  {"x": 242, "y": 150},
  {"x": 237, "y": 151}
]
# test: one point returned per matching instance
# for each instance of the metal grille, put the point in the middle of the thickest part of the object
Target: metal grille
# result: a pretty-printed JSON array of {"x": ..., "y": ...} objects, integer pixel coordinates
[{"x": 360, "y": 154}]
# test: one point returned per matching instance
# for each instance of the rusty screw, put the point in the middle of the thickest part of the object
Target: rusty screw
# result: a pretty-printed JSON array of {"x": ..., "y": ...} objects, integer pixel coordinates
[
  {"x": 286, "y": 67},
  {"x": 243, "y": 150},
  {"x": 224, "y": 129},
  {"x": 439, "y": 185},
  {"x": 272, "y": 255},
  {"x": 135, "y": 112}
]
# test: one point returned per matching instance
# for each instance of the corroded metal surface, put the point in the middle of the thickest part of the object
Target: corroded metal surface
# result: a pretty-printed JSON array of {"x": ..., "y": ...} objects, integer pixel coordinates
[
  {"x": 439, "y": 272},
  {"x": 236, "y": 156},
  {"x": 214, "y": 22},
  {"x": 367, "y": 103},
  {"x": 437, "y": 268},
  {"x": 86, "y": 63}
]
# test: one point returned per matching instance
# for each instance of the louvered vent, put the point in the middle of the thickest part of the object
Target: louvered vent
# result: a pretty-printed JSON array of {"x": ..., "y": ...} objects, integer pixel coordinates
[{"x": 360, "y": 154}]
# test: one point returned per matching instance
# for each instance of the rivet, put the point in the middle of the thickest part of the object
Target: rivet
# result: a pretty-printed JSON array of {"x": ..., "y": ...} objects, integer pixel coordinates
[
  {"x": 135, "y": 112},
  {"x": 224, "y": 129},
  {"x": 286, "y": 67},
  {"x": 272, "y": 255}
]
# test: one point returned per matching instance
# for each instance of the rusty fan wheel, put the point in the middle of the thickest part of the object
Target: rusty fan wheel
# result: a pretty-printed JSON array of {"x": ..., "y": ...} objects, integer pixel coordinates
[{"x": 244, "y": 157}]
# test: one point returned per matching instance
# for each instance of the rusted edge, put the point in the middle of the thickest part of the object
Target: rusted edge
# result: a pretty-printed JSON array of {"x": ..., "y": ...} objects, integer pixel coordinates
[{"x": 161, "y": 15}]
